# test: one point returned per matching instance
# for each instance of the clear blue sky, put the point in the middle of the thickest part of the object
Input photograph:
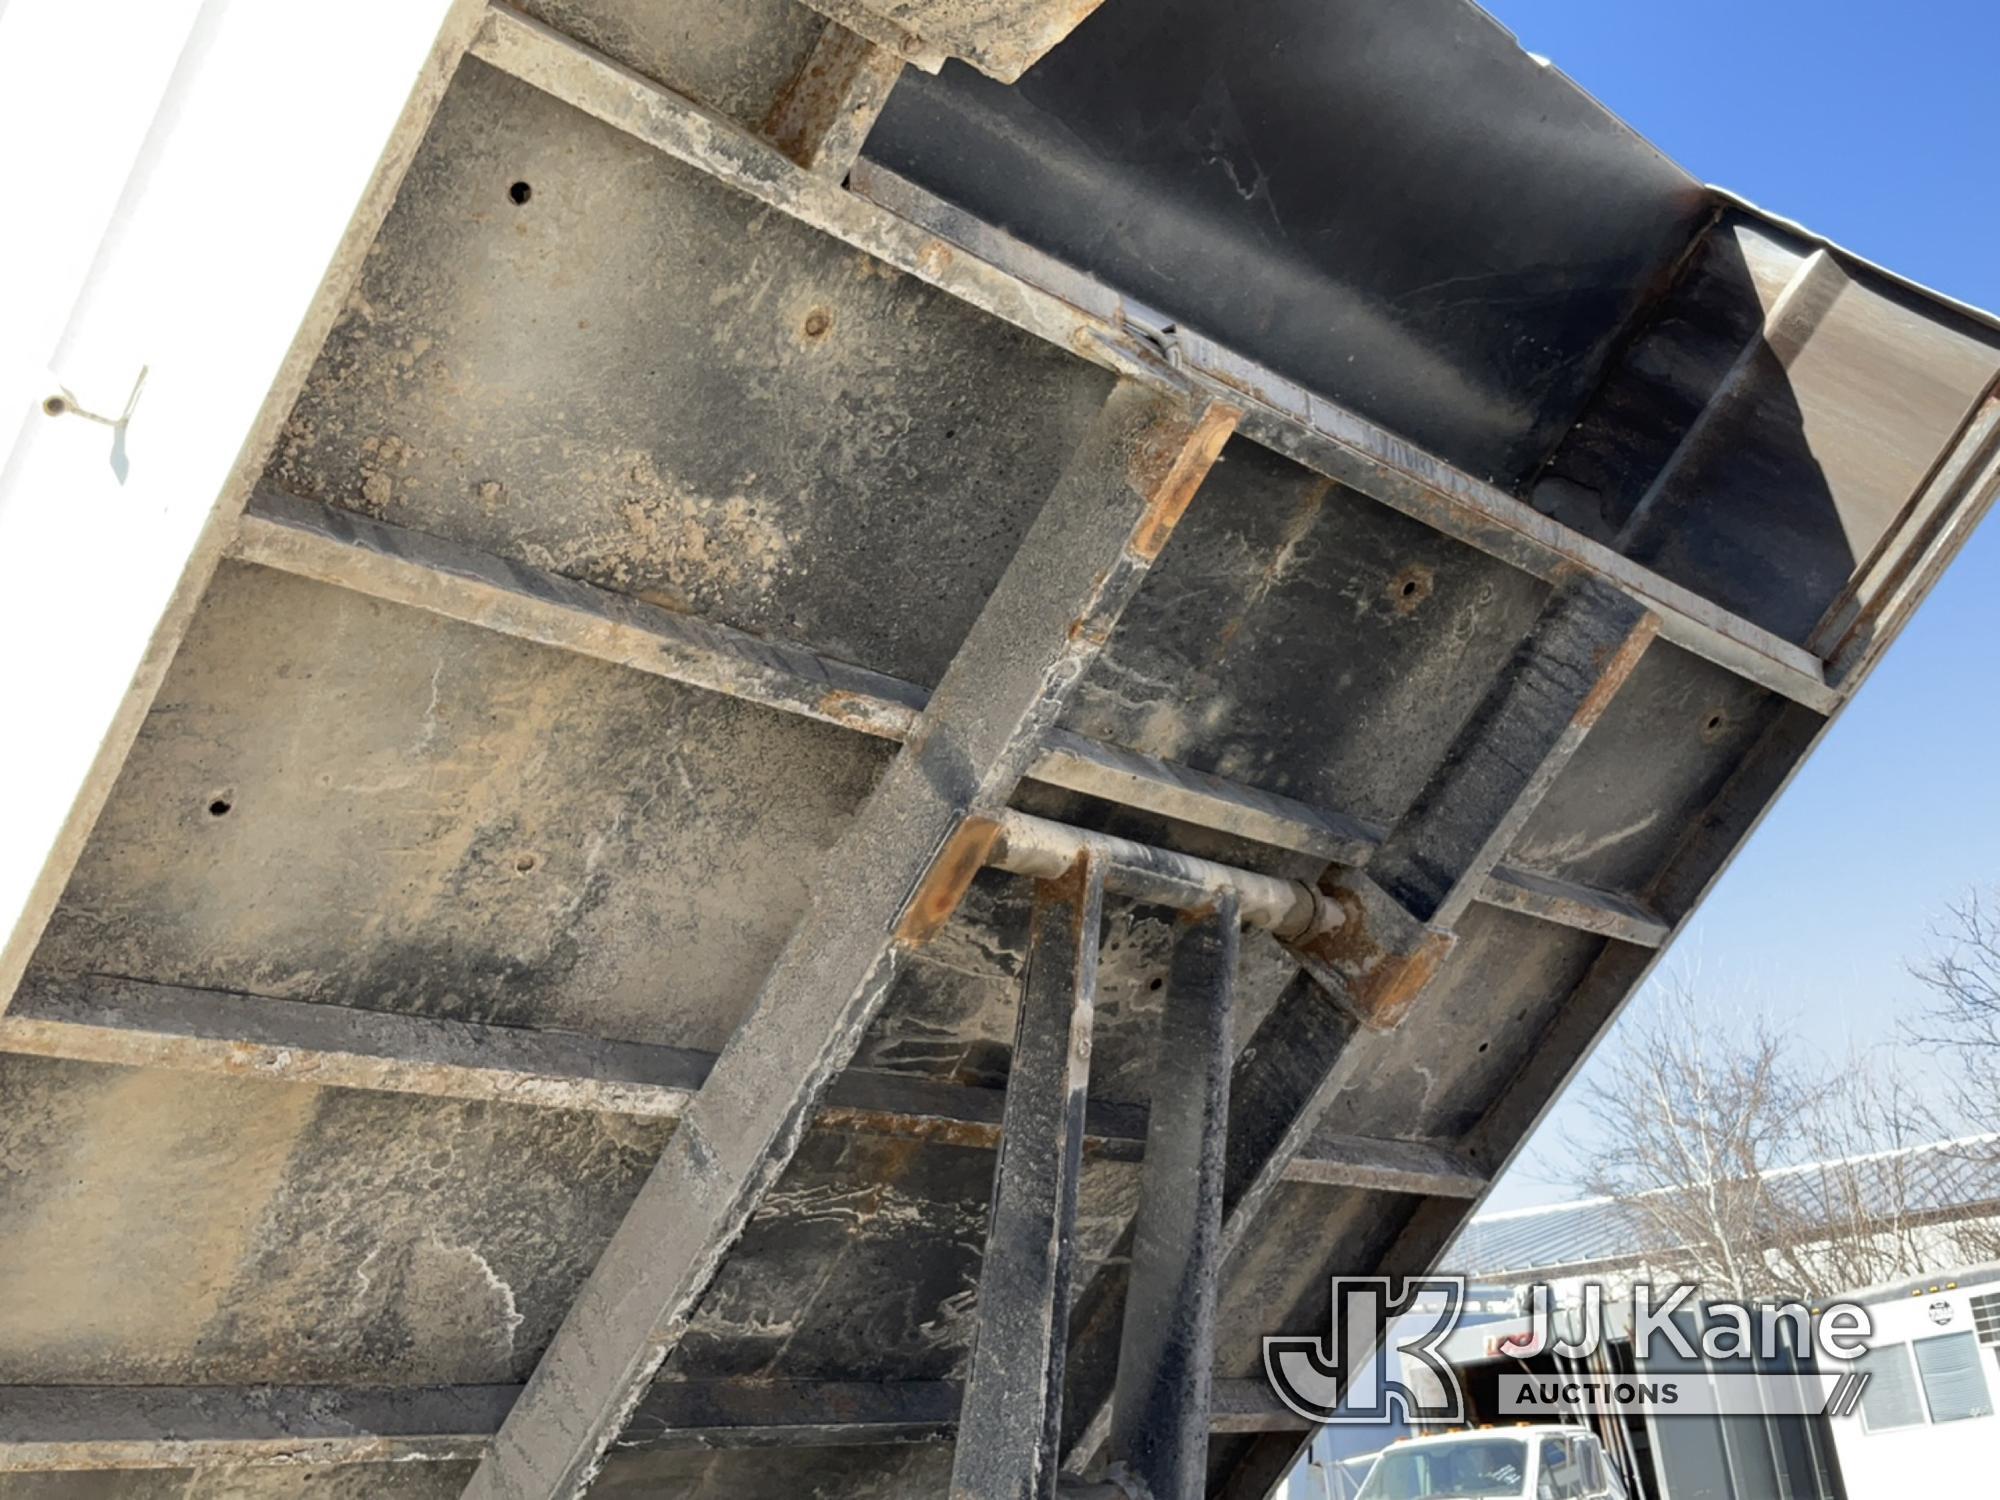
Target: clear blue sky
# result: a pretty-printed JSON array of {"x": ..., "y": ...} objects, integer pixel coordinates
[{"x": 1872, "y": 124}]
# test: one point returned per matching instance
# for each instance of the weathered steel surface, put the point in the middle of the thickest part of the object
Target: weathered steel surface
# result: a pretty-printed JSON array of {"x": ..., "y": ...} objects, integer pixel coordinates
[
  {"x": 336, "y": 546},
  {"x": 1570, "y": 905},
  {"x": 826, "y": 112},
  {"x": 1282, "y": 1080},
  {"x": 217, "y": 399},
  {"x": 1794, "y": 315},
  {"x": 1011, "y": 1418},
  {"x": 56, "y": 1428},
  {"x": 127, "y": 1023},
  {"x": 426, "y": 572},
  {"x": 1497, "y": 771},
  {"x": 1747, "y": 447},
  {"x": 1389, "y": 1167},
  {"x": 443, "y": 852},
  {"x": 431, "y": 573},
  {"x": 1160, "y": 877},
  {"x": 739, "y": 58},
  {"x": 891, "y": 882},
  {"x": 1160, "y": 1416},
  {"x": 1657, "y": 757},
  {"x": 614, "y": 549},
  {"x": 96, "y": 1428},
  {"x": 1336, "y": 442},
  {"x": 92, "y": 1018},
  {"x": 1277, "y": 412},
  {"x": 1560, "y": 1046},
  {"x": 1402, "y": 910},
  {"x": 1270, "y": 129}
]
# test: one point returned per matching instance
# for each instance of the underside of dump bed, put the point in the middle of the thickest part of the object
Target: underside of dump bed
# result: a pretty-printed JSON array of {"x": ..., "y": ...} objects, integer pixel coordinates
[{"x": 648, "y": 570}]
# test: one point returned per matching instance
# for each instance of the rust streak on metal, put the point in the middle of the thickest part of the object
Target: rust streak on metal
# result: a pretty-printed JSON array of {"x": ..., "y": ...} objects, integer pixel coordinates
[
  {"x": 1377, "y": 981},
  {"x": 1351, "y": 945},
  {"x": 1070, "y": 886},
  {"x": 935, "y": 1128},
  {"x": 1383, "y": 1000},
  {"x": 1616, "y": 667},
  {"x": 944, "y": 886},
  {"x": 933, "y": 257},
  {"x": 1089, "y": 625},
  {"x": 824, "y": 114},
  {"x": 866, "y": 715},
  {"x": 1169, "y": 467}
]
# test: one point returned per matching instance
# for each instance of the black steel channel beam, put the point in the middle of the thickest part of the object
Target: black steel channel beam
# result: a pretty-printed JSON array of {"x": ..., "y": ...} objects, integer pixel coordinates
[
  {"x": 1402, "y": 908},
  {"x": 890, "y": 883},
  {"x": 1574, "y": 1027},
  {"x": 760, "y": 1413},
  {"x": 1011, "y": 1419},
  {"x": 1492, "y": 776},
  {"x": 1166, "y": 1353},
  {"x": 1288, "y": 1072}
]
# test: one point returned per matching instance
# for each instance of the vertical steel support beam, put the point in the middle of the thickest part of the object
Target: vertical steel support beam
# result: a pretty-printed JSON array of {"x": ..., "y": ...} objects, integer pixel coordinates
[
  {"x": 1278, "y": 1090},
  {"x": 1159, "y": 1422},
  {"x": 1561, "y": 678},
  {"x": 1402, "y": 908},
  {"x": 1010, "y": 1423},
  {"x": 1616, "y": 975},
  {"x": 891, "y": 882}
]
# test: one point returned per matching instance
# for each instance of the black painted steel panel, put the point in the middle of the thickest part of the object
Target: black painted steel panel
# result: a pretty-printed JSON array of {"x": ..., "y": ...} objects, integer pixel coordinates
[{"x": 1386, "y": 200}]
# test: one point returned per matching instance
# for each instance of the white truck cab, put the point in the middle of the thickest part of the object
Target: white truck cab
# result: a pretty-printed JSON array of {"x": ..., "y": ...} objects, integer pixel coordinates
[{"x": 1532, "y": 1463}]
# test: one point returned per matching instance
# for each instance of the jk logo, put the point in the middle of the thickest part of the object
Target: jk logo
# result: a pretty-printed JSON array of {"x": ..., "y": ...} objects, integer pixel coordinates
[{"x": 1345, "y": 1375}]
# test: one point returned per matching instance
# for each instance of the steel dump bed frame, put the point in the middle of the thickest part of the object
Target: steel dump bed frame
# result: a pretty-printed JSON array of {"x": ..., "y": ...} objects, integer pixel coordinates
[{"x": 879, "y": 721}]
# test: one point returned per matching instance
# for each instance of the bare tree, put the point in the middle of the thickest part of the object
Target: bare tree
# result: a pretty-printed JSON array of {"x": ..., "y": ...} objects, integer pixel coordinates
[
  {"x": 1689, "y": 1117},
  {"x": 1754, "y": 1169},
  {"x": 1863, "y": 1206},
  {"x": 1963, "y": 975}
]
